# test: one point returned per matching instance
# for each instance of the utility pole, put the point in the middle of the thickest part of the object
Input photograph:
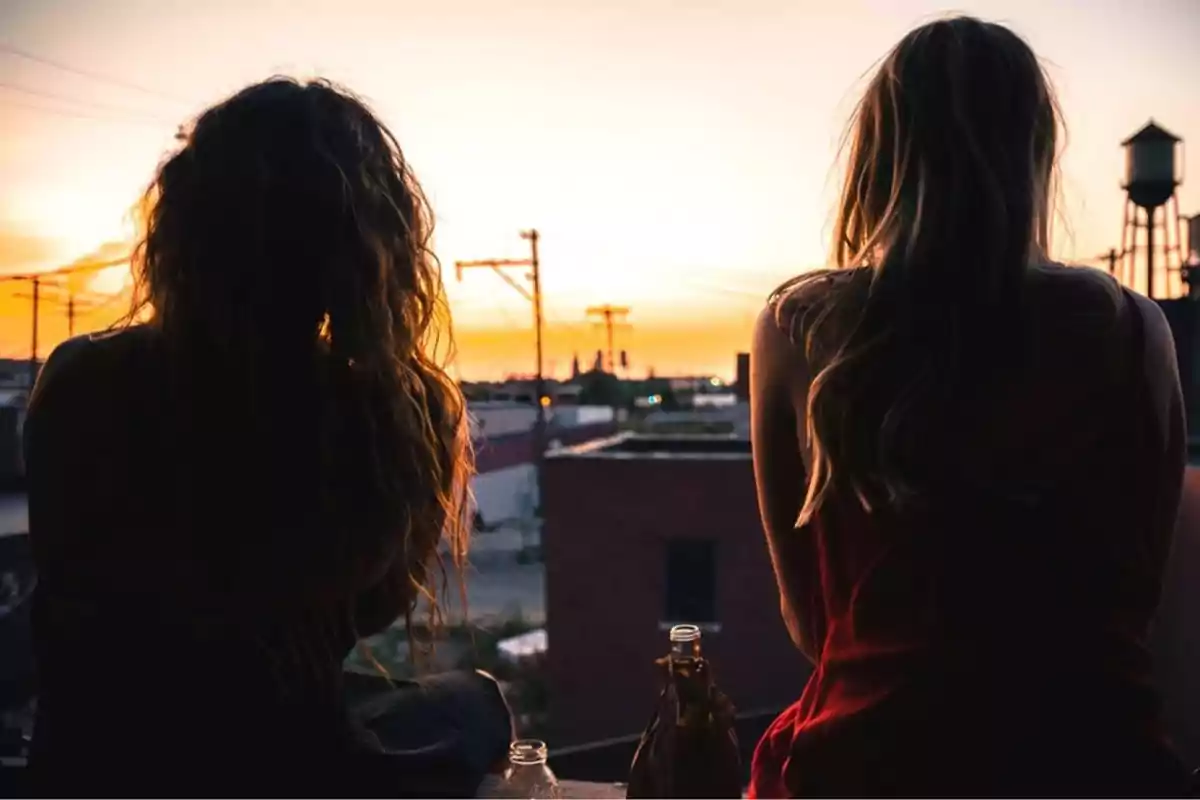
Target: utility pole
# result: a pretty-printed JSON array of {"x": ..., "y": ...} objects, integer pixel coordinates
[
  {"x": 1150, "y": 214},
  {"x": 35, "y": 281},
  {"x": 611, "y": 317},
  {"x": 37, "y": 284},
  {"x": 40, "y": 296},
  {"x": 49, "y": 291},
  {"x": 534, "y": 276}
]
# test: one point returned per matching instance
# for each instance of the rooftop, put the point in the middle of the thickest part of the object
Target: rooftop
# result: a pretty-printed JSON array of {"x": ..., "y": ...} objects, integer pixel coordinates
[{"x": 630, "y": 446}]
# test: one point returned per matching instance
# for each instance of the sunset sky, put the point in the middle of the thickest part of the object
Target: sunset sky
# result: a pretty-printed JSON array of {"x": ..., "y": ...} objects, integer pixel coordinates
[{"x": 678, "y": 157}]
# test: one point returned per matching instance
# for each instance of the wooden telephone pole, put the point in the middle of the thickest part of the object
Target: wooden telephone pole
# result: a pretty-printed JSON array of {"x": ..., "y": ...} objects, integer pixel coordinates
[
  {"x": 610, "y": 317},
  {"x": 534, "y": 276},
  {"x": 37, "y": 281},
  {"x": 74, "y": 302}
]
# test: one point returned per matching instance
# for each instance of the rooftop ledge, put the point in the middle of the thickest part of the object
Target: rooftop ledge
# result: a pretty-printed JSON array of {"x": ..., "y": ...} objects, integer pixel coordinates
[{"x": 687, "y": 446}]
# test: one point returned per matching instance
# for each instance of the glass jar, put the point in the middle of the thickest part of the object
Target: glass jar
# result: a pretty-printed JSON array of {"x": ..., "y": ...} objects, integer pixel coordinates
[{"x": 528, "y": 775}]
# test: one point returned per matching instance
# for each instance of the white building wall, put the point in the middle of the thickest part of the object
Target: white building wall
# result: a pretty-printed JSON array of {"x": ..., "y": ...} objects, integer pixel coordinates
[
  {"x": 506, "y": 494},
  {"x": 574, "y": 416},
  {"x": 499, "y": 419}
]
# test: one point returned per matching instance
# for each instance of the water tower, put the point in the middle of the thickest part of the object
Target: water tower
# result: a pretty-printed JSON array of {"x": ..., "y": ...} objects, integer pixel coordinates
[{"x": 1151, "y": 177}]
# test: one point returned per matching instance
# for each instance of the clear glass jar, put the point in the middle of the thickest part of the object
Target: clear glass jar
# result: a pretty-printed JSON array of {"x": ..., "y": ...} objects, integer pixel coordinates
[{"x": 528, "y": 775}]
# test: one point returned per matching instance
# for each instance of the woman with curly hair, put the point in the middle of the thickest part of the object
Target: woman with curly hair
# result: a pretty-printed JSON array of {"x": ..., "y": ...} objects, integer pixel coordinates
[{"x": 253, "y": 472}]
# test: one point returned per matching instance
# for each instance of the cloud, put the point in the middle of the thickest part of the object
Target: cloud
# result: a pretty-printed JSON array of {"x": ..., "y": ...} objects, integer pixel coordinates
[
  {"x": 26, "y": 252},
  {"x": 105, "y": 253},
  {"x": 20, "y": 251}
]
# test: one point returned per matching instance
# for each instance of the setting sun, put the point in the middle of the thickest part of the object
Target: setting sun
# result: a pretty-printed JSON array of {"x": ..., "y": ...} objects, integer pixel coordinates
[
  {"x": 77, "y": 220},
  {"x": 111, "y": 280}
]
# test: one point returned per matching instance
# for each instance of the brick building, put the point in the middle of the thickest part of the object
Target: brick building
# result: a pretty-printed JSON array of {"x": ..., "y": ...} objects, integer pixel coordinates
[
  {"x": 505, "y": 487},
  {"x": 640, "y": 533}
]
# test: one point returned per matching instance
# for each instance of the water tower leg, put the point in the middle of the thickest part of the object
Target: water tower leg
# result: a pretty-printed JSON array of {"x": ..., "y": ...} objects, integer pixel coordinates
[{"x": 1150, "y": 214}]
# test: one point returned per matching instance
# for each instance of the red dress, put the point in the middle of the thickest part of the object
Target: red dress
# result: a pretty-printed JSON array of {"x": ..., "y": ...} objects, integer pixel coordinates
[{"x": 994, "y": 643}]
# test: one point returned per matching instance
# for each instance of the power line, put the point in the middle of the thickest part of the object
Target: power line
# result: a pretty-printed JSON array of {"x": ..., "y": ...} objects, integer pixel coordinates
[
  {"x": 534, "y": 295},
  {"x": 87, "y": 266},
  {"x": 76, "y": 303},
  {"x": 720, "y": 288},
  {"x": 96, "y": 76},
  {"x": 133, "y": 114},
  {"x": 80, "y": 115},
  {"x": 38, "y": 286}
]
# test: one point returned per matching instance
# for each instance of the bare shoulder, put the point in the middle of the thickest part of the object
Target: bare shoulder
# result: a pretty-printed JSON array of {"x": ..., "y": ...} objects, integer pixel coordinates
[
  {"x": 1092, "y": 291},
  {"x": 1081, "y": 288},
  {"x": 1154, "y": 321},
  {"x": 1159, "y": 341},
  {"x": 85, "y": 366},
  {"x": 69, "y": 364},
  {"x": 805, "y": 294}
]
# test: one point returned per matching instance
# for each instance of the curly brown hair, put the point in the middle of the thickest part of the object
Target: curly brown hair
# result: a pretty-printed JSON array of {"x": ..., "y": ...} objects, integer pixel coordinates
[{"x": 286, "y": 257}]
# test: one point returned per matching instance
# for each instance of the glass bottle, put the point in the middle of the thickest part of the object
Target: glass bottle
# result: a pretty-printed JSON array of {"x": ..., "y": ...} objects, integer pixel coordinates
[
  {"x": 690, "y": 748},
  {"x": 528, "y": 776},
  {"x": 689, "y": 672}
]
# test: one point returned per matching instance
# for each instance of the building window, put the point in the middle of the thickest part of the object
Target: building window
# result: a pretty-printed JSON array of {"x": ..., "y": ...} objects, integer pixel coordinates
[{"x": 691, "y": 580}]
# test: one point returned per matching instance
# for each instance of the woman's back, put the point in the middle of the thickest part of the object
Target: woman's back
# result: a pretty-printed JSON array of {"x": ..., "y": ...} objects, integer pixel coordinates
[
  {"x": 968, "y": 463},
  {"x": 226, "y": 494},
  {"x": 994, "y": 635},
  {"x": 167, "y": 617}
]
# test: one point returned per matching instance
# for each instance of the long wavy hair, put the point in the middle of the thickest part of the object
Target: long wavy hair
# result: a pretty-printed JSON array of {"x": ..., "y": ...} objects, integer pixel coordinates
[
  {"x": 945, "y": 205},
  {"x": 286, "y": 263}
]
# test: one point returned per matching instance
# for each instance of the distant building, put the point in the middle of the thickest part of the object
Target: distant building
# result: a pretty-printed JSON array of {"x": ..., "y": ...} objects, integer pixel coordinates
[
  {"x": 640, "y": 533},
  {"x": 15, "y": 373},
  {"x": 16, "y": 382},
  {"x": 742, "y": 386},
  {"x": 502, "y": 432},
  {"x": 520, "y": 390},
  {"x": 1184, "y": 318}
]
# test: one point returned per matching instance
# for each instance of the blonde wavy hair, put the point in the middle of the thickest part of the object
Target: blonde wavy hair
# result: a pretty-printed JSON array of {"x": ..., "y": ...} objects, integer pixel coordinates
[{"x": 945, "y": 204}]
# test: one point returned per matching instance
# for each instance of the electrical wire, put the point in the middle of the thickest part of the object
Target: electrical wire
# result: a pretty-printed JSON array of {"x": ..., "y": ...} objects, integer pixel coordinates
[
  {"x": 131, "y": 114},
  {"x": 718, "y": 288},
  {"x": 93, "y": 266},
  {"x": 96, "y": 76},
  {"x": 79, "y": 115}
]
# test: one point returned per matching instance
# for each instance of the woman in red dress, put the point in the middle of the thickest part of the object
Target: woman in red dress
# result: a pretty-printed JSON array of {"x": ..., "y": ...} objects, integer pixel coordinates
[{"x": 968, "y": 460}]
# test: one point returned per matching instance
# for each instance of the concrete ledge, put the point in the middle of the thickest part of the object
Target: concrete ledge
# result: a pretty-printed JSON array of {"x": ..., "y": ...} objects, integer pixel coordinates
[{"x": 639, "y": 446}]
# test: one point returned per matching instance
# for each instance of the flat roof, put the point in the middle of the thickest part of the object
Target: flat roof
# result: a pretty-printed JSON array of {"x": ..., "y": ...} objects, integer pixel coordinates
[{"x": 691, "y": 446}]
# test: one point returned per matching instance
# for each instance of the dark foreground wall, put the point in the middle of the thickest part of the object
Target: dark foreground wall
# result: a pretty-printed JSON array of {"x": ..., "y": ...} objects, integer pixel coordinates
[{"x": 1184, "y": 318}]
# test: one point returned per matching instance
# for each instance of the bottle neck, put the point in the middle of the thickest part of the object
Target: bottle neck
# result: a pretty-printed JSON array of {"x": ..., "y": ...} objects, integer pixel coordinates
[
  {"x": 528, "y": 753},
  {"x": 688, "y": 650}
]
